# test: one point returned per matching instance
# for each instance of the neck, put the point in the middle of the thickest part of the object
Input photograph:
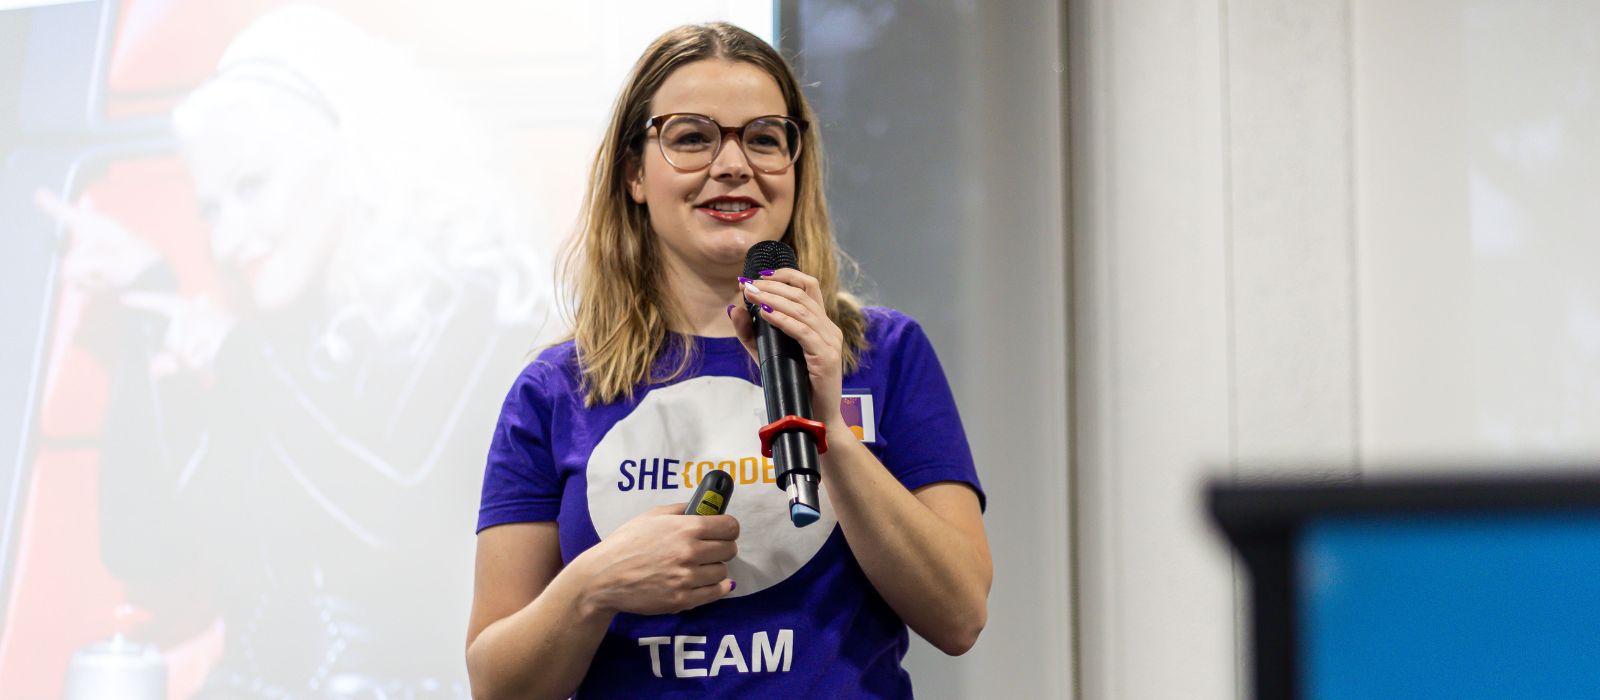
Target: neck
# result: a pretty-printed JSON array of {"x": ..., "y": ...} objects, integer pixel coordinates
[{"x": 703, "y": 298}]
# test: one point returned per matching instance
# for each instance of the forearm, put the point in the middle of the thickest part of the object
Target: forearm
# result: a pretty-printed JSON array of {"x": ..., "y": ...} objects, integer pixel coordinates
[
  {"x": 937, "y": 580},
  {"x": 542, "y": 650}
]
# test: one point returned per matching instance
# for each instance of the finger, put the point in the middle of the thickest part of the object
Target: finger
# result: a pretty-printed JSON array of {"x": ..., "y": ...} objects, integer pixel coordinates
[
  {"x": 713, "y": 551},
  {"x": 707, "y": 574},
  {"x": 809, "y": 337},
  {"x": 716, "y": 527},
  {"x": 199, "y": 350},
  {"x": 791, "y": 301},
  {"x": 743, "y": 327},
  {"x": 706, "y": 594},
  {"x": 771, "y": 288},
  {"x": 158, "y": 302},
  {"x": 667, "y": 509},
  {"x": 773, "y": 295},
  {"x": 53, "y": 205},
  {"x": 795, "y": 278}
]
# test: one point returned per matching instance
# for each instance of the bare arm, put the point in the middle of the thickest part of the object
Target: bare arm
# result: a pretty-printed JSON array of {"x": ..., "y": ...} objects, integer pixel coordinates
[
  {"x": 926, "y": 552},
  {"x": 532, "y": 633},
  {"x": 535, "y": 626}
]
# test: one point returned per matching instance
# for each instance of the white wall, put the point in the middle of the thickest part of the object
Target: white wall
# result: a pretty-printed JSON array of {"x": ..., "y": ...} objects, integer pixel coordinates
[
  {"x": 1318, "y": 237},
  {"x": 1151, "y": 346}
]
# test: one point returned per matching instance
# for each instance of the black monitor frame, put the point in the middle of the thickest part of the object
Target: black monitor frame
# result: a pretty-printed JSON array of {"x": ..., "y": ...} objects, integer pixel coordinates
[{"x": 1263, "y": 521}]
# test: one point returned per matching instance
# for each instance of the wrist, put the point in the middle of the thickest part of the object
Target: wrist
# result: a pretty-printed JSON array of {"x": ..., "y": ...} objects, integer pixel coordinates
[
  {"x": 839, "y": 433},
  {"x": 588, "y": 595}
]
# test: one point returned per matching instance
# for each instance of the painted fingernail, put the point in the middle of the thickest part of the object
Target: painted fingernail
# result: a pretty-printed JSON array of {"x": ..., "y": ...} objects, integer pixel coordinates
[
  {"x": 751, "y": 288},
  {"x": 767, "y": 273},
  {"x": 730, "y": 311},
  {"x": 732, "y": 585},
  {"x": 766, "y": 309},
  {"x": 745, "y": 280}
]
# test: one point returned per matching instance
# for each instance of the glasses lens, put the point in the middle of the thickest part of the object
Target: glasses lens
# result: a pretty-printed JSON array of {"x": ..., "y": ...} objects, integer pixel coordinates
[
  {"x": 771, "y": 143},
  {"x": 689, "y": 141}
]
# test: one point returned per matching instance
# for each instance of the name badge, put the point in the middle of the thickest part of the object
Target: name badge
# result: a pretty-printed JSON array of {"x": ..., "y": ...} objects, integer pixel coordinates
[{"x": 857, "y": 409}]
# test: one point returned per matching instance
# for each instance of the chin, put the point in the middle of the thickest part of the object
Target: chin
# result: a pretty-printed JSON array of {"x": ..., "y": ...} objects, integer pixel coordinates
[
  {"x": 269, "y": 299},
  {"x": 729, "y": 247},
  {"x": 275, "y": 292}
]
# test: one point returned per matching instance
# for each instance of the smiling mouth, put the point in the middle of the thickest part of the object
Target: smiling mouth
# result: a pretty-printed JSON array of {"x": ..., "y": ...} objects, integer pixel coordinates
[
  {"x": 729, "y": 210},
  {"x": 250, "y": 269}
]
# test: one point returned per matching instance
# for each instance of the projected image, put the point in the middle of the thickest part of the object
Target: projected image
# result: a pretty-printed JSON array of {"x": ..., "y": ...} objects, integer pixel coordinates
[{"x": 277, "y": 266}]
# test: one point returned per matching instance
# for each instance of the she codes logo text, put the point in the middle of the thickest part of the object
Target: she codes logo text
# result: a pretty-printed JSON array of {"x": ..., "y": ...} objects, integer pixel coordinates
[{"x": 662, "y": 473}]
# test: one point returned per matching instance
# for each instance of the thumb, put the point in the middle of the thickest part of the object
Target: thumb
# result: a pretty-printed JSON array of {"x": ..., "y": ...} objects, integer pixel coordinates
[
  {"x": 743, "y": 327},
  {"x": 53, "y": 205},
  {"x": 164, "y": 303}
]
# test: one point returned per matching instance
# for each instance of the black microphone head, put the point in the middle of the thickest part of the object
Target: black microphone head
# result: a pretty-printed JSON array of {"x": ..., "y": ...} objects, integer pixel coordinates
[{"x": 768, "y": 255}]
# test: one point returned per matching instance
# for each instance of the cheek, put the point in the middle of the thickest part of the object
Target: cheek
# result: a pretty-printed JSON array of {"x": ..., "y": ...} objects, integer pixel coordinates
[
  {"x": 664, "y": 188},
  {"x": 668, "y": 196},
  {"x": 782, "y": 197}
]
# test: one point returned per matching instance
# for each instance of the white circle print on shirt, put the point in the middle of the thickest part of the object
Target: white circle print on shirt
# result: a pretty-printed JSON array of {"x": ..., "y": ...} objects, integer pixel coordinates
[{"x": 657, "y": 454}]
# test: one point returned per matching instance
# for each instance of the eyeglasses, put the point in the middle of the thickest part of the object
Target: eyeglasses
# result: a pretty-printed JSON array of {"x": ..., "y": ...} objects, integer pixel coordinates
[{"x": 693, "y": 141}]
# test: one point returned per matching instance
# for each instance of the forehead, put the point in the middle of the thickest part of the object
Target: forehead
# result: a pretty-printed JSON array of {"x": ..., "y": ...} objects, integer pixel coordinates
[
  {"x": 730, "y": 92},
  {"x": 228, "y": 130}
]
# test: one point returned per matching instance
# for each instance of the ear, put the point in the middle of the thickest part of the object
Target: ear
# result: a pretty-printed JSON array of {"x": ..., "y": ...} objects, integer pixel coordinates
[{"x": 633, "y": 174}]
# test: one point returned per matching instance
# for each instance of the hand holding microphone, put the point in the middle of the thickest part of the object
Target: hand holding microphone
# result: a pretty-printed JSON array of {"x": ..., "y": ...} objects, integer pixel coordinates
[{"x": 786, "y": 327}]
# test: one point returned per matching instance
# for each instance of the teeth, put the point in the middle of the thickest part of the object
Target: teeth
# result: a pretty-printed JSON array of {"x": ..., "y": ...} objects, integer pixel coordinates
[{"x": 730, "y": 206}]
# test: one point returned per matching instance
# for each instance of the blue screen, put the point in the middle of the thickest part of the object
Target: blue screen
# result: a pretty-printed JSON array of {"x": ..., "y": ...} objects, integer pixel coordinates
[{"x": 1495, "y": 606}]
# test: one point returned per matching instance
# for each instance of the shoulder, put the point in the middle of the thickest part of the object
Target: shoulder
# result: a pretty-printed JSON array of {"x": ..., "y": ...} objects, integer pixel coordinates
[
  {"x": 890, "y": 328},
  {"x": 891, "y": 334},
  {"x": 553, "y": 372},
  {"x": 559, "y": 355}
]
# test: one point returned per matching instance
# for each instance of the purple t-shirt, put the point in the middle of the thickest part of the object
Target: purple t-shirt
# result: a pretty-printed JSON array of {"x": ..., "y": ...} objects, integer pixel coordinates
[{"x": 804, "y": 620}]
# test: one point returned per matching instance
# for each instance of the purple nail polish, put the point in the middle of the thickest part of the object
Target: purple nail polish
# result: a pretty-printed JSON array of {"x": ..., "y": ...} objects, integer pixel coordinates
[
  {"x": 730, "y": 311},
  {"x": 744, "y": 280},
  {"x": 767, "y": 273},
  {"x": 732, "y": 585},
  {"x": 766, "y": 308}
]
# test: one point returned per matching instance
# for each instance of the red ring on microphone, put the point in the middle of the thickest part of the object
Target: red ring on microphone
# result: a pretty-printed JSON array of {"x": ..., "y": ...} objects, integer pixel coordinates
[{"x": 787, "y": 423}]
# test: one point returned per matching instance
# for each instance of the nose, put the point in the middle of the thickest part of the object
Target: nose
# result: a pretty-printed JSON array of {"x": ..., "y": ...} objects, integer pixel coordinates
[
  {"x": 731, "y": 163},
  {"x": 228, "y": 235}
]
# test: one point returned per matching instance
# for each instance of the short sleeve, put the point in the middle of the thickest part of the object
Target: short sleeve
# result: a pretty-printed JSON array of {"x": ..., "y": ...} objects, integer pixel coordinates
[
  {"x": 923, "y": 441},
  {"x": 520, "y": 481}
]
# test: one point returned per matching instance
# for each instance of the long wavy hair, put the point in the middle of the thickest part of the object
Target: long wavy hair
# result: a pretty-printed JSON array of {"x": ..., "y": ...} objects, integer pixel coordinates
[
  {"x": 424, "y": 215},
  {"x": 613, "y": 266}
]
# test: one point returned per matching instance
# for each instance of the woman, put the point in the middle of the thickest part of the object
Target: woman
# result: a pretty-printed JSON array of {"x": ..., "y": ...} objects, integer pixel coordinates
[
  {"x": 588, "y": 577},
  {"x": 279, "y": 461}
]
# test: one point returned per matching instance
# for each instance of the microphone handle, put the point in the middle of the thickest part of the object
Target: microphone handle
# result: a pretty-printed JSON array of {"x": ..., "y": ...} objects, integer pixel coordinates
[{"x": 787, "y": 388}]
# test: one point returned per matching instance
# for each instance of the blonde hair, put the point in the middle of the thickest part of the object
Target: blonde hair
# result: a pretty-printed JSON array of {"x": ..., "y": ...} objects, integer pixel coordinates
[
  {"x": 425, "y": 216},
  {"x": 613, "y": 266}
]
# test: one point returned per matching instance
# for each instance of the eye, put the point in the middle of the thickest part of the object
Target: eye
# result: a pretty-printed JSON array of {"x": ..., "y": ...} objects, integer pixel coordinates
[
  {"x": 692, "y": 138},
  {"x": 248, "y": 187},
  {"x": 208, "y": 209},
  {"x": 764, "y": 143}
]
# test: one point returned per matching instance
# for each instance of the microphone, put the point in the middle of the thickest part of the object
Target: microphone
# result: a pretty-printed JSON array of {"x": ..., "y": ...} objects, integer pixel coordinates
[{"x": 791, "y": 437}]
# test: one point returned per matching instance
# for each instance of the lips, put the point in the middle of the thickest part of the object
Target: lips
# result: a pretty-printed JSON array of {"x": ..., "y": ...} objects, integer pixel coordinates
[
  {"x": 730, "y": 210},
  {"x": 250, "y": 269}
]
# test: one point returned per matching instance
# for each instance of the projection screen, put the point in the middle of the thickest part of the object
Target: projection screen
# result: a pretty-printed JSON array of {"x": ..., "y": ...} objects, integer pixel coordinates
[{"x": 269, "y": 270}]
